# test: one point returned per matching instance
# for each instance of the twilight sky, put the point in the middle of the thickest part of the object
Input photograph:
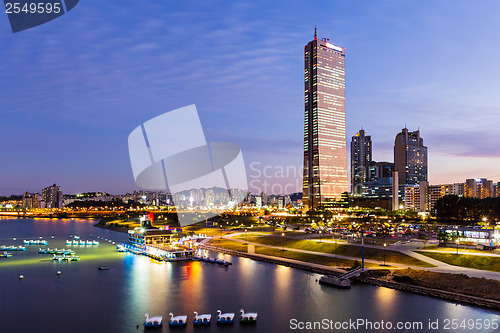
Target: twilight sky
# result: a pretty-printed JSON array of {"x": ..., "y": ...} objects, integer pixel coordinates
[{"x": 73, "y": 89}]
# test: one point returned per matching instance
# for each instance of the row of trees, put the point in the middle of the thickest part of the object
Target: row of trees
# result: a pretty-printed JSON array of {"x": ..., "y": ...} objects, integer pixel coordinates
[{"x": 465, "y": 209}]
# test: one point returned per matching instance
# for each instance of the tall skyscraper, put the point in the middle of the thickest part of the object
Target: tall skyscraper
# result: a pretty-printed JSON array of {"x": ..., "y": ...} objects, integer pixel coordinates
[
  {"x": 325, "y": 154},
  {"x": 410, "y": 157},
  {"x": 361, "y": 156}
]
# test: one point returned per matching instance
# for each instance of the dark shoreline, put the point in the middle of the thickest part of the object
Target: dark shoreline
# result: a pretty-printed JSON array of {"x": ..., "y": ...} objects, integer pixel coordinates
[
  {"x": 446, "y": 295},
  {"x": 118, "y": 229}
]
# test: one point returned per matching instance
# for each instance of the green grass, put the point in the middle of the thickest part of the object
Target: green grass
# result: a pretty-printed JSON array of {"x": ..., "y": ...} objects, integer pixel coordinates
[
  {"x": 437, "y": 248},
  {"x": 468, "y": 261},
  {"x": 340, "y": 249},
  {"x": 229, "y": 244}
]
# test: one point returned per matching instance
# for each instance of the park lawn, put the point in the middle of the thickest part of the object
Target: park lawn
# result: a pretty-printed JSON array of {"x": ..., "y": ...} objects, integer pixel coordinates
[
  {"x": 340, "y": 249},
  {"x": 437, "y": 248},
  {"x": 306, "y": 257},
  {"x": 463, "y": 260},
  {"x": 213, "y": 232},
  {"x": 229, "y": 244}
]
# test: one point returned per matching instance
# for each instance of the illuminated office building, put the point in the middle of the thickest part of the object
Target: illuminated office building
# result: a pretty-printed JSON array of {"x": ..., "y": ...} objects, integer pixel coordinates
[
  {"x": 410, "y": 157},
  {"x": 325, "y": 154},
  {"x": 361, "y": 156}
]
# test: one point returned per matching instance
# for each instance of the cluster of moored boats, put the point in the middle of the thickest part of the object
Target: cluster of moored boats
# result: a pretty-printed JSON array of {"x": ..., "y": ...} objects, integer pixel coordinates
[
  {"x": 12, "y": 248},
  {"x": 6, "y": 248},
  {"x": 66, "y": 257},
  {"x": 213, "y": 260},
  {"x": 55, "y": 251},
  {"x": 81, "y": 242},
  {"x": 60, "y": 254},
  {"x": 36, "y": 242},
  {"x": 201, "y": 319}
]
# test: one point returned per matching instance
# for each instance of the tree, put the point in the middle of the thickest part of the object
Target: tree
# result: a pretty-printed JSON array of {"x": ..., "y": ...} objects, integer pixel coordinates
[{"x": 443, "y": 237}]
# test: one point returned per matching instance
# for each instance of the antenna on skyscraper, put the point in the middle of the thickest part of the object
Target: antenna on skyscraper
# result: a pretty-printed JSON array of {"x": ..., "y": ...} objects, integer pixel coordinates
[{"x": 315, "y": 36}]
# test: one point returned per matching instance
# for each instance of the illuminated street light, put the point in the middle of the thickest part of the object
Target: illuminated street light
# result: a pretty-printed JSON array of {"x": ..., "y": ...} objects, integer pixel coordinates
[
  {"x": 245, "y": 234},
  {"x": 283, "y": 238},
  {"x": 457, "y": 245},
  {"x": 384, "y": 252}
]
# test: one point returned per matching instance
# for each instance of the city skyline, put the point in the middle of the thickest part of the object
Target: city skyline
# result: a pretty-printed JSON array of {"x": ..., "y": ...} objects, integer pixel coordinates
[{"x": 65, "y": 119}]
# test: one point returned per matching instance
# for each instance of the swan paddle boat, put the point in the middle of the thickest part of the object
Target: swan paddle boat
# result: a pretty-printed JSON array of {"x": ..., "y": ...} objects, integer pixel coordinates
[
  {"x": 178, "y": 320},
  {"x": 203, "y": 319},
  {"x": 225, "y": 318},
  {"x": 153, "y": 321},
  {"x": 248, "y": 318}
]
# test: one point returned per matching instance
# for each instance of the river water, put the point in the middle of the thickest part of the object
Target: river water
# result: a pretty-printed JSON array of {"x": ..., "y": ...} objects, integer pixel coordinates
[{"x": 84, "y": 299}]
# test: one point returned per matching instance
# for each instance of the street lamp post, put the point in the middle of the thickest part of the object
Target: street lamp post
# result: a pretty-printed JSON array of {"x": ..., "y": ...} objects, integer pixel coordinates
[
  {"x": 456, "y": 241},
  {"x": 283, "y": 238},
  {"x": 335, "y": 246},
  {"x": 362, "y": 250},
  {"x": 320, "y": 232},
  {"x": 385, "y": 244},
  {"x": 245, "y": 234}
]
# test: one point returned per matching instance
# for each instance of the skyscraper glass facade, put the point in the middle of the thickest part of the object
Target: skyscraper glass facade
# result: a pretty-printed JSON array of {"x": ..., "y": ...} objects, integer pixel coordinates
[
  {"x": 325, "y": 154},
  {"x": 410, "y": 157},
  {"x": 361, "y": 156}
]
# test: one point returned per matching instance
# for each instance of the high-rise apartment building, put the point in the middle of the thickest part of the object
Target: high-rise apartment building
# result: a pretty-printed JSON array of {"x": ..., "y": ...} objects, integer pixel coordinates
[
  {"x": 52, "y": 197},
  {"x": 32, "y": 200},
  {"x": 361, "y": 156},
  {"x": 479, "y": 188},
  {"x": 325, "y": 154},
  {"x": 410, "y": 157}
]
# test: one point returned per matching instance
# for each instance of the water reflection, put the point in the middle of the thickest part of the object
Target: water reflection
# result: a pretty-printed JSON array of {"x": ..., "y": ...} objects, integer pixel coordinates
[{"x": 115, "y": 300}]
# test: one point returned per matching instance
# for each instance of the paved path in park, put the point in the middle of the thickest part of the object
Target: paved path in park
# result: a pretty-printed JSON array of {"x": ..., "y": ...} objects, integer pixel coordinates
[
  {"x": 446, "y": 268},
  {"x": 407, "y": 249}
]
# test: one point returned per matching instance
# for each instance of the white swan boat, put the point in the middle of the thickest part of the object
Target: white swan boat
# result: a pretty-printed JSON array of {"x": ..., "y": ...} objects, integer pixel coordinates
[
  {"x": 153, "y": 321},
  {"x": 203, "y": 319},
  {"x": 248, "y": 318},
  {"x": 178, "y": 320},
  {"x": 225, "y": 318}
]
